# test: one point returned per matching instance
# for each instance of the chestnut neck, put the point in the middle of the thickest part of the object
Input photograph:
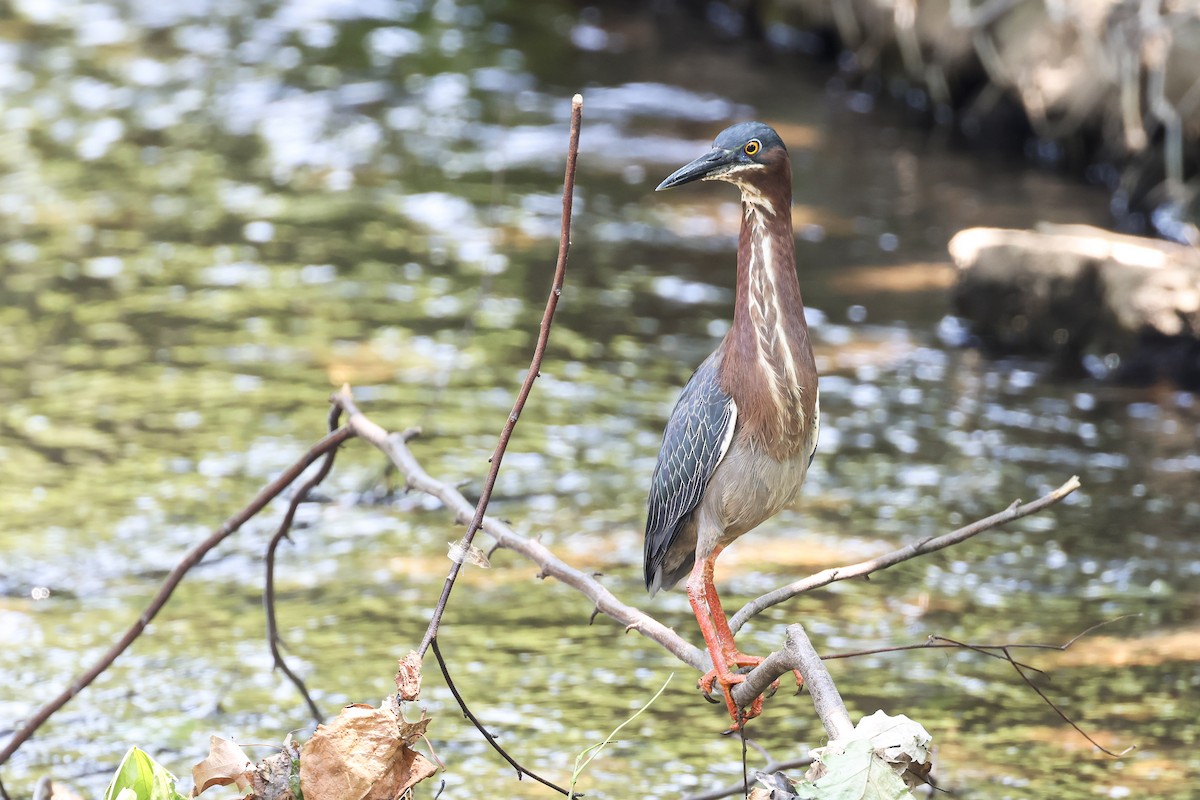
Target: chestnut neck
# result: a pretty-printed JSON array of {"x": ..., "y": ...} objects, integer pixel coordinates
[{"x": 767, "y": 363}]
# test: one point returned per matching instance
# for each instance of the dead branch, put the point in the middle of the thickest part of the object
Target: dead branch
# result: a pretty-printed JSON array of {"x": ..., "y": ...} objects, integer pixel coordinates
[
  {"x": 935, "y": 642},
  {"x": 798, "y": 654},
  {"x": 1006, "y": 654},
  {"x": 932, "y": 544},
  {"x": 191, "y": 559}
]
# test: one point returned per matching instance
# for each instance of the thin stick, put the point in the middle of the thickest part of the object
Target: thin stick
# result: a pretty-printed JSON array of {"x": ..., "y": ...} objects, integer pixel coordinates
[
  {"x": 273, "y": 638},
  {"x": 825, "y": 577},
  {"x": 437, "y": 653},
  {"x": 798, "y": 653},
  {"x": 1020, "y": 668},
  {"x": 935, "y": 642},
  {"x": 539, "y": 352},
  {"x": 193, "y": 557}
]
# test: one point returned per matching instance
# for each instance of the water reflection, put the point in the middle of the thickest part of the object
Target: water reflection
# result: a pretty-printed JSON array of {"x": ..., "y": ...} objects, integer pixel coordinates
[{"x": 214, "y": 212}]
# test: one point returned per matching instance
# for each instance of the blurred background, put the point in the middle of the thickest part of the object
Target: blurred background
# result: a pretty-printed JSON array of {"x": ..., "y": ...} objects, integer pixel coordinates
[{"x": 212, "y": 213}]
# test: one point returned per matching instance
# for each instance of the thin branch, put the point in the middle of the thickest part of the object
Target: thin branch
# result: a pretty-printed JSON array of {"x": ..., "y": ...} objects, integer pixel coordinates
[
  {"x": 825, "y": 577},
  {"x": 930, "y": 644},
  {"x": 437, "y": 653},
  {"x": 935, "y": 642},
  {"x": 535, "y": 366},
  {"x": 1020, "y": 668},
  {"x": 273, "y": 639},
  {"x": 191, "y": 559}
]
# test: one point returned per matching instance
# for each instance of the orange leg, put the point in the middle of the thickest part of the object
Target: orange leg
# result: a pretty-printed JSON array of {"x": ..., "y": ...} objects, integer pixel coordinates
[
  {"x": 706, "y": 604},
  {"x": 725, "y": 635}
]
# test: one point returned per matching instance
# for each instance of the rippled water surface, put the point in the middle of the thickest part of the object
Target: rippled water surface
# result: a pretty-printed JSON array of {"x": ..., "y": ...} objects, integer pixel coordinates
[{"x": 213, "y": 213}]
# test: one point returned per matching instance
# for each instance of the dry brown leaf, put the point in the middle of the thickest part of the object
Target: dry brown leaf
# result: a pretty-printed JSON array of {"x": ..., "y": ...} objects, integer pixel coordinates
[
  {"x": 411, "y": 731},
  {"x": 408, "y": 677},
  {"x": 361, "y": 755},
  {"x": 226, "y": 763}
]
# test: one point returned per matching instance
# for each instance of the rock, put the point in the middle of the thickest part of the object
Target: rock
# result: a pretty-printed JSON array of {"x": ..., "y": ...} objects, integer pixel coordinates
[{"x": 1070, "y": 290}]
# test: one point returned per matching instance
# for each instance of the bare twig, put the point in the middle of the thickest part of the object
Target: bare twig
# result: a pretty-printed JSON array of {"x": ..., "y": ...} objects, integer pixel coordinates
[
  {"x": 191, "y": 559},
  {"x": 1020, "y": 668},
  {"x": 437, "y": 653},
  {"x": 273, "y": 639},
  {"x": 935, "y": 642},
  {"x": 535, "y": 366},
  {"x": 825, "y": 577}
]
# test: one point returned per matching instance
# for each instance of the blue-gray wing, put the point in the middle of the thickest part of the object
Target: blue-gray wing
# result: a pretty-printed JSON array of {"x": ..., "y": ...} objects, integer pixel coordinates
[{"x": 696, "y": 438}]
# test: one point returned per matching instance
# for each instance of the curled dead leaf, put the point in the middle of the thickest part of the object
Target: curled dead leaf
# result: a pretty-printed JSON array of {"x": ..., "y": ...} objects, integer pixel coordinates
[
  {"x": 226, "y": 763},
  {"x": 411, "y": 731}
]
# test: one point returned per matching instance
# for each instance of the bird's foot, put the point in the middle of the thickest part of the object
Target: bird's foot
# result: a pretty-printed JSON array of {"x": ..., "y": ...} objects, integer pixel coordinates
[{"x": 727, "y": 679}]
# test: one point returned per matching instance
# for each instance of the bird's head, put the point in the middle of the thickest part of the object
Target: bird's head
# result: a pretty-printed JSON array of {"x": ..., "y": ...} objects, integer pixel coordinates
[{"x": 741, "y": 154}]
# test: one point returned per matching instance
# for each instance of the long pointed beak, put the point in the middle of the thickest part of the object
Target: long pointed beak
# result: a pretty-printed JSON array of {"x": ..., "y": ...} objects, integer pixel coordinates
[{"x": 707, "y": 165}]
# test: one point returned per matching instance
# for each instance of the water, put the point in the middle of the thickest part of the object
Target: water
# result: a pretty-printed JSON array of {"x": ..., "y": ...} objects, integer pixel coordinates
[{"x": 215, "y": 214}]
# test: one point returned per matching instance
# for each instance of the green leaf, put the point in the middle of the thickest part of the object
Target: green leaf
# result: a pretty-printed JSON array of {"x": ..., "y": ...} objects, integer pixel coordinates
[{"x": 140, "y": 777}]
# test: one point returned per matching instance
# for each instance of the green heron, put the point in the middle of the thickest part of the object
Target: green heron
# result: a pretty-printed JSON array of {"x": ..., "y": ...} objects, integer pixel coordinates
[{"x": 741, "y": 437}]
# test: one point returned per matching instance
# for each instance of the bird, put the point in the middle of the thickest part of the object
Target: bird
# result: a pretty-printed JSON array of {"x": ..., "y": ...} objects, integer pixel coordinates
[{"x": 739, "y": 442}]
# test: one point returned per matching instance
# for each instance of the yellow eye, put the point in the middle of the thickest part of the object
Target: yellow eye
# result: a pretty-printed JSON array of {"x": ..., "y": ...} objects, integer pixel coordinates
[{"x": 752, "y": 147}]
